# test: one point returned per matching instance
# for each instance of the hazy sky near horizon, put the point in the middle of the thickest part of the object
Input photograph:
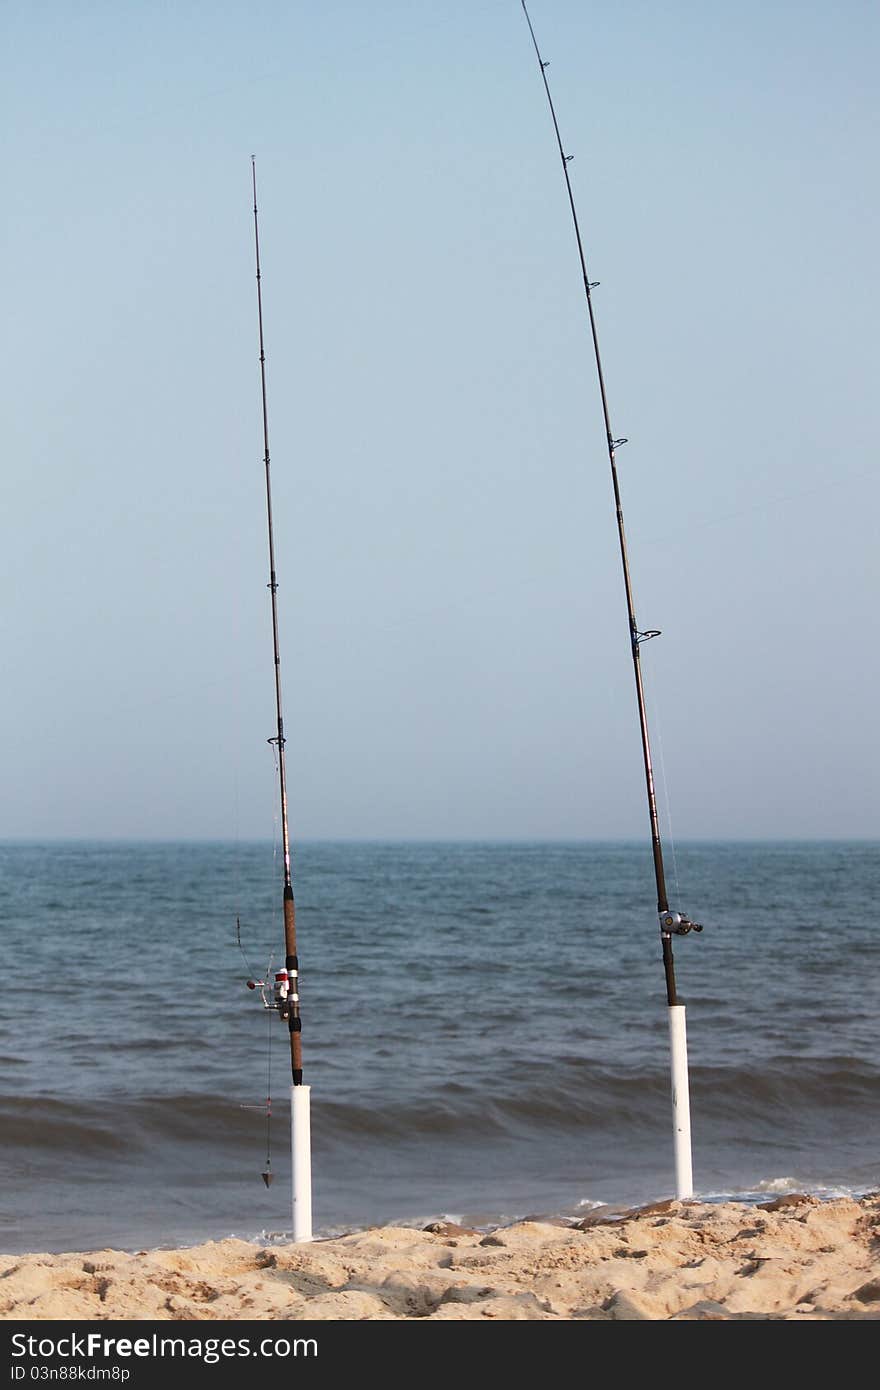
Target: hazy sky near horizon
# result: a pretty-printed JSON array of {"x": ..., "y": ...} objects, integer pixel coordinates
[{"x": 455, "y": 653}]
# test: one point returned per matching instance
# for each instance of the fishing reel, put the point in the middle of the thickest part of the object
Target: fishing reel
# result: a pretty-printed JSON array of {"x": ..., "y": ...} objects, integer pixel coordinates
[
  {"x": 677, "y": 924},
  {"x": 280, "y": 992}
]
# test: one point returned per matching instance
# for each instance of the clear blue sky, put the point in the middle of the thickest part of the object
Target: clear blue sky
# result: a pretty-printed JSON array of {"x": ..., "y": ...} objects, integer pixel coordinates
[{"x": 455, "y": 652}]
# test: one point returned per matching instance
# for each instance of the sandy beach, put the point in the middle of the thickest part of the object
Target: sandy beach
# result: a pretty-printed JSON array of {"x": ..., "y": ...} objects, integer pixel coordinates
[{"x": 792, "y": 1257}]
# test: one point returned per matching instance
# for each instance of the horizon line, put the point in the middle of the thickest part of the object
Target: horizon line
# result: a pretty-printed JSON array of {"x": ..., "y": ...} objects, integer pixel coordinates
[{"x": 99, "y": 839}]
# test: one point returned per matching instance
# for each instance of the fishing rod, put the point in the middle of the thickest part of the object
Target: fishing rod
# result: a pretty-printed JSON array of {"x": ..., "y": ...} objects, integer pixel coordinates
[
  {"x": 286, "y": 986},
  {"x": 672, "y": 923}
]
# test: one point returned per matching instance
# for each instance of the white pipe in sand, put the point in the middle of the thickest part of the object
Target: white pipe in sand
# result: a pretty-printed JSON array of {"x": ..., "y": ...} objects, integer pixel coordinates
[
  {"x": 681, "y": 1103},
  {"x": 301, "y": 1162}
]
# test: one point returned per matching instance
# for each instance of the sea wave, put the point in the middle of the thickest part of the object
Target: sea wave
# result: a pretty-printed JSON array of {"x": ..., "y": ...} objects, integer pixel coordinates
[{"x": 567, "y": 1100}]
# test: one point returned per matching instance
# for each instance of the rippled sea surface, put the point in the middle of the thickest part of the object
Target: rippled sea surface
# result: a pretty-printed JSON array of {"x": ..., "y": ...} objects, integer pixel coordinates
[{"x": 484, "y": 1032}]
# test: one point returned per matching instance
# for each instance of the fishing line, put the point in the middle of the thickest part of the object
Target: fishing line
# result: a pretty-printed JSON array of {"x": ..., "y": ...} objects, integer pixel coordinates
[
  {"x": 276, "y": 818},
  {"x": 658, "y": 727},
  {"x": 671, "y": 923},
  {"x": 267, "y": 1171},
  {"x": 237, "y": 685},
  {"x": 769, "y": 504},
  {"x": 241, "y": 946},
  {"x": 267, "y": 1175}
]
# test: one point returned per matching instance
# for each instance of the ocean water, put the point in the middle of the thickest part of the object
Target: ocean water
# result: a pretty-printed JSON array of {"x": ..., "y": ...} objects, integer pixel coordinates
[{"x": 484, "y": 1031}]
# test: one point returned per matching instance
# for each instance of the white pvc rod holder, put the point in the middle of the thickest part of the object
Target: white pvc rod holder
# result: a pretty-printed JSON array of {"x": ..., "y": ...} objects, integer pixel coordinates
[
  {"x": 301, "y": 1162},
  {"x": 681, "y": 1103}
]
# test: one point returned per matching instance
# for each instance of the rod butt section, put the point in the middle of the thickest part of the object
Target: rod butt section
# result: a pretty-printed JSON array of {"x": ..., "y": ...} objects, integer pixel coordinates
[
  {"x": 301, "y": 1162},
  {"x": 681, "y": 1103}
]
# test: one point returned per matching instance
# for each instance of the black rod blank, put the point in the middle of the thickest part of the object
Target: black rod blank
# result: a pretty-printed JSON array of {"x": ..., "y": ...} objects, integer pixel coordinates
[{"x": 670, "y": 922}]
